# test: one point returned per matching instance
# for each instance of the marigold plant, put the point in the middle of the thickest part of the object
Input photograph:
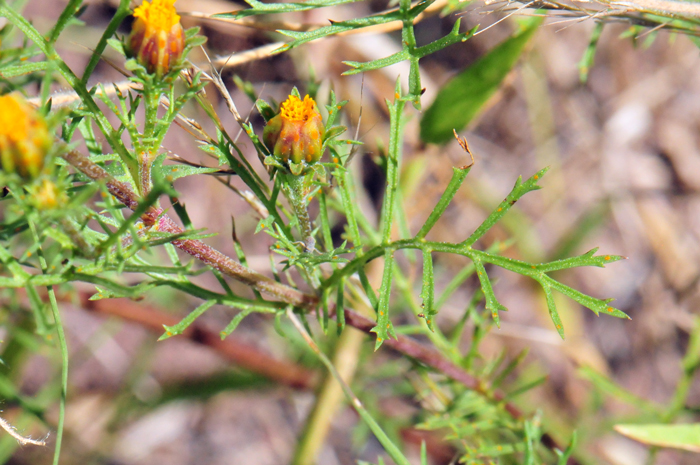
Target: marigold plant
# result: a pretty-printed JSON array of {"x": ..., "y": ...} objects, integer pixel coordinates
[{"x": 379, "y": 235}]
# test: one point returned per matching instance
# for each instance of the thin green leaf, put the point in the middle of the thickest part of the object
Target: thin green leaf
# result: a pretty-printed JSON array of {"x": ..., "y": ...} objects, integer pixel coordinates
[
  {"x": 119, "y": 15},
  {"x": 552, "y": 308},
  {"x": 521, "y": 188},
  {"x": 527, "y": 387},
  {"x": 596, "y": 305},
  {"x": 231, "y": 327},
  {"x": 384, "y": 327},
  {"x": 509, "y": 368},
  {"x": 532, "y": 440},
  {"x": 340, "y": 306},
  {"x": 301, "y": 37},
  {"x": 260, "y": 8},
  {"x": 492, "y": 304},
  {"x": 179, "y": 328},
  {"x": 586, "y": 62},
  {"x": 564, "y": 456},
  {"x": 614, "y": 390},
  {"x": 428, "y": 290},
  {"x": 587, "y": 259},
  {"x": 9, "y": 72},
  {"x": 458, "y": 176},
  {"x": 359, "y": 67},
  {"x": 392, "y": 163}
]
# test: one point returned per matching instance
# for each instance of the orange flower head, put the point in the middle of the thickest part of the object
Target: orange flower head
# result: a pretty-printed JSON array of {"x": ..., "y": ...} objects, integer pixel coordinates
[
  {"x": 25, "y": 140},
  {"x": 296, "y": 133},
  {"x": 157, "y": 39}
]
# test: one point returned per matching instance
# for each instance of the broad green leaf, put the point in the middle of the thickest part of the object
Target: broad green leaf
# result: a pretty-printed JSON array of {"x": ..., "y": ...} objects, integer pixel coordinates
[
  {"x": 686, "y": 437},
  {"x": 460, "y": 100}
]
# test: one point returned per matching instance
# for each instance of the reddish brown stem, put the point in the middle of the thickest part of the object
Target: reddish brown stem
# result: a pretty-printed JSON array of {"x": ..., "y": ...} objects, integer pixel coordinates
[
  {"x": 197, "y": 249},
  {"x": 243, "y": 355}
]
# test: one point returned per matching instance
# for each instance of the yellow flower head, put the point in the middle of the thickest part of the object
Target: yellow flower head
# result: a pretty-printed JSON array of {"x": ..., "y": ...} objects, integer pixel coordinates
[
  {"x": 295, "y": 109},
  {"x": 296, "y": 133},
  {"x": 159, "y": 15},
  {"x": 157, "y": 39},
  {"x": 14, "y": 120},
  {"x": 24, "y": 137}
]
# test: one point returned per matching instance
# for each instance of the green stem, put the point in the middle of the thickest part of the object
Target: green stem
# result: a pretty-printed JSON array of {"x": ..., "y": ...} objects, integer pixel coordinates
[
  {"x": 325, "y": 224},
  {"x": 68, "y": 12},
  {"x": 691, "y": 364},
  {"x": 150, "y": 145},
  {"x": 151, "y": 98},
  {"x": 392, "y": 168},
  {"x": 408, "y": 38},
  {"x": 348, "y": 201},
  {"x": 294, "y": 188},
  {"x": 122, "y": 12},
  {"x": 329, "y": 398},
  {"x": 62, "y": 345},
  {"x": 64, "y": 373},
  {"x": 391, "y": 448}
]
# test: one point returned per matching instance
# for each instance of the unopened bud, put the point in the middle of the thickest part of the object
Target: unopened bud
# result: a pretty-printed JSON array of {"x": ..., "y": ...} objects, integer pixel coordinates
[
  {"x": 296, "y": 133},
  {"x": 48, "y": 196},
  {"x": 24, "y": 137},
  {"x": 157, "y": 38}
]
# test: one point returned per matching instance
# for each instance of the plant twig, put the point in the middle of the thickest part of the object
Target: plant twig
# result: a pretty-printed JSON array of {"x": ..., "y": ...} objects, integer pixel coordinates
[
  {"x": 243, "y": 355},
  {"x": 23, "y": 440},
  {"x": 154, "y": 217}
]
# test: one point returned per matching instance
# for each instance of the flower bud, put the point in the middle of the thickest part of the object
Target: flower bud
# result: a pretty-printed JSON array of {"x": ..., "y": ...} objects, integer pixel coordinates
[
  {"x": 296, "y": 133},
  {"x": 24, "y": 137},
  {"x": 157, "y": 38},
  {"x": 48, "y": 196}
]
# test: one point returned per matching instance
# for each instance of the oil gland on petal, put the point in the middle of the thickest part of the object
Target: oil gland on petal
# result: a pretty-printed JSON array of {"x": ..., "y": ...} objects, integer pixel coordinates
[
  {"x": 25, "y": 139},
  {"x": 157, "y": 39},
  {"x": 296, "y": 133}
]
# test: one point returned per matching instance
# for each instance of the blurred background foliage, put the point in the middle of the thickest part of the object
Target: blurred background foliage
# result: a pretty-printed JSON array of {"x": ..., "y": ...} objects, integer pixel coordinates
[{"x": 624, "y": 157}]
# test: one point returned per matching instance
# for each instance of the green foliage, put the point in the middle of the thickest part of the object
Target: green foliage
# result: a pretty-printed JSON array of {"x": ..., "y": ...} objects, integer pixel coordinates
[
  {"x": 685, "y": 437},
  {"x": 260, "y": 8},
  {"x": 92, "y": 239}
]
